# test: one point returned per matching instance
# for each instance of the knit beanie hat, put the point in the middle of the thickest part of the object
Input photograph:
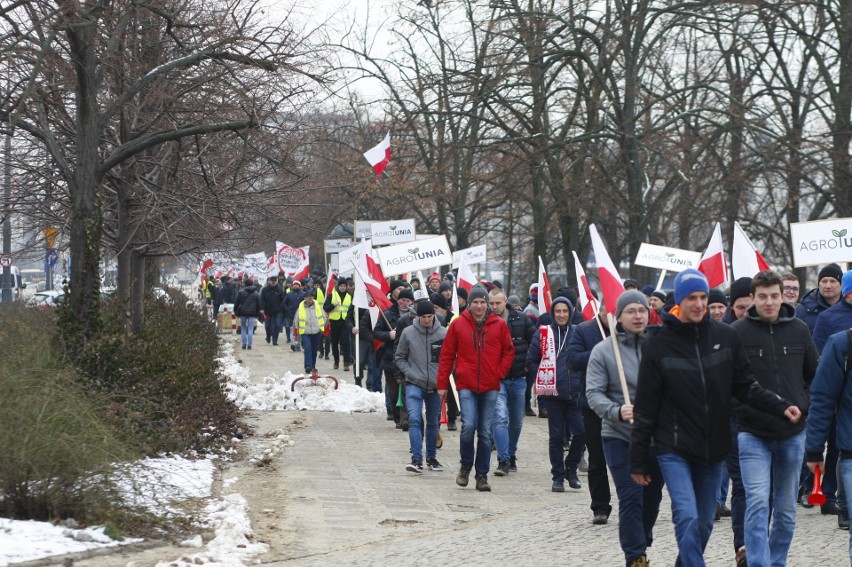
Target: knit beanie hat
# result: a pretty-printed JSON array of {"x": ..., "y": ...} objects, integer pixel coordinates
[
  {"x": 477, "y": 292},
  {"x": 462, "y": 292},
  {"x": 740, "y": 288},
  {"x": 425, "y": 308},
  {"x": 659, "y": 294},
  {"x": 395, "y": 284},
  {"x": 406, "y": 294},
  {"x": 830, "y": 271},
  {"x": 628, "y": 297},
  {"x": 513, "y": 300},
  {"x": 445, "y": 286},
  {"x": 846, "y": 283},
  {"x": 716, "y": 296},
  {"x": 688, "y": 282},
  {"x": 438, "y": 300}
]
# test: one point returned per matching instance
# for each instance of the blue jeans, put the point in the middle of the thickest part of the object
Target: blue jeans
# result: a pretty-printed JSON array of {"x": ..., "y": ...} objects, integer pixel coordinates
[
  {"x": 563, "y": 416},
  {"x": 311, "y": 345},
  {"x": 692, "y": 486},
  {"x": 509, "y": 417},
  {"x": 770, "y": 470},
  {"x": 477, "y": 410},
  {"x": 415, "y": 398},
  {"x": 247, "y": 330},
  {"x": 845, "y": 466},
  {"x": 638, "y": 506}
]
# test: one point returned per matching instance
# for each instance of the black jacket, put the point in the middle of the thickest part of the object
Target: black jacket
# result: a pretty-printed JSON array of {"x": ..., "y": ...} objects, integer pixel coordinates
[
  {"x": 784, "y": 359},
  {"x": 247, "y": 303},
  {"x": 688, "y": 373},
  {"x": 365, "y": 323},
  {"x": 522, "y": 330},
  {"x": 586, "y": 335},
  {"x": 382, "y": 333},
  {"x": 272, "y": 299}
]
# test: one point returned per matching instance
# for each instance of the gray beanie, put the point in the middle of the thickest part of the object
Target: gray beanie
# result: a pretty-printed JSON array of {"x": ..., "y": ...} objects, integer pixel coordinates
[
  {"x": 477, "y": 292},
  {"x": 628, "y": 297}
]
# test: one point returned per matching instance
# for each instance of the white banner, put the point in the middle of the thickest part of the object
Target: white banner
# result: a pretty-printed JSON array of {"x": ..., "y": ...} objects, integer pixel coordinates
[
  {"x": 666, "y": 258},
  {"x": 413, "y": 256},
  {"x": 392, "y": 232},
  {"x": 294, "y": 262},
  {"x": 346, "y": 259},
  {"x": 337, "y": 245},
  {"x": 821, "y": 242},
  {"x": 256, "y": 264},
  {"x": 334, "y": 263},
  {"x": 362, "y": 229},
  {"x": 473, "y": 255}
]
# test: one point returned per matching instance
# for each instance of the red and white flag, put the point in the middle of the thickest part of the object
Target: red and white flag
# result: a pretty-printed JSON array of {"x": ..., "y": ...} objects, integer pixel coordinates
[
  {"x": 611, "y": 285},
  {"x": 466, "y": 277},
  {"x": 366, "y": 264},
  {"x": 713, "y": 264},
  {"x": 543, "y": 289},
  {"x": 588, "y": 303},
  {"x": 373, "y": 289},
  {"x": 746, "y": 260},
  {"x": 379, "y": 156}
]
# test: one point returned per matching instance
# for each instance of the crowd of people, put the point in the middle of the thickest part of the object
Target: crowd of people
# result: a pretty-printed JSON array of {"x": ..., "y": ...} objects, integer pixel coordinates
[{"x": 705, "y": 392}]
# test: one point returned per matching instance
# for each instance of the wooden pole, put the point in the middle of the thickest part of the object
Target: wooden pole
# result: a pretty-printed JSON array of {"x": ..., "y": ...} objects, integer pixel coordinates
[{"x": 614, "y": 336}]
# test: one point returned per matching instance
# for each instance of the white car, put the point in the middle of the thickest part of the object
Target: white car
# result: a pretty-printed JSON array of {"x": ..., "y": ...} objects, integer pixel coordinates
[{"x": 46, "y": 299}]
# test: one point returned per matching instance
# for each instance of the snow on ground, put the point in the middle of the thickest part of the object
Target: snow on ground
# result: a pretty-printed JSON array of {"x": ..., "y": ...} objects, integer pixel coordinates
[
  {"x": 160, "y": 484},
  {"x": 272, "y": 393}
]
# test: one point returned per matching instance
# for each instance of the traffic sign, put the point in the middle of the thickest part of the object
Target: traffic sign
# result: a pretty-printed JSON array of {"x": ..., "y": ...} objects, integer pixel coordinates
[{"x": 5, "y": 260}]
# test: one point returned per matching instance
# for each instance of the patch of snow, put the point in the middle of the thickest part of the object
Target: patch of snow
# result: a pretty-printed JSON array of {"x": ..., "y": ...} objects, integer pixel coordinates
[{"x": 28, "y": 540}]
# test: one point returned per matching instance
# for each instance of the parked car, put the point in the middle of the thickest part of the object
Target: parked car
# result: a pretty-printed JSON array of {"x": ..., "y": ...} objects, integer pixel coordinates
[{"x": 46, "y": 299}]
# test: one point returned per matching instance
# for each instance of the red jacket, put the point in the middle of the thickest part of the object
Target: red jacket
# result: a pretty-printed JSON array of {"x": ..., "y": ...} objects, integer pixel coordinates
[{"x": 481, "y": 359}]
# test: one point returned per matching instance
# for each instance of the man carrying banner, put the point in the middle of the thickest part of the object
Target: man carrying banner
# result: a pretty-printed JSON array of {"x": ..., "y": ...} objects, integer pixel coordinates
[{"x": 478, "y": 350}]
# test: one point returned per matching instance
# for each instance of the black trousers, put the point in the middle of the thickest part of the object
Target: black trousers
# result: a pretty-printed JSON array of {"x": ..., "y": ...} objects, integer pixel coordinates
[
  {"x": 340, "y": 341},
  {"x": 598, "y": 477}
]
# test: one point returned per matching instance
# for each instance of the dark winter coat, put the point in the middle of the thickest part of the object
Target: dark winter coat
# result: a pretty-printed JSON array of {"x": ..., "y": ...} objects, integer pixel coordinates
[
  {"x": 521, "y": 329},
  {"x": 247, "y": 303},
  {"x": 567, "y": 382},
  {"x": 481, "y": 357},
  {"x": 229, "y": 292},
  {"x": 583, "y": 339},
  {"x": 831, "y": 394},
  {"x": 836, "y": 318},
  {"x": 365, "y": 323},
  {"x": 272, "y": 300},
  {"x": 811, "y": 305},
  {"x": 688, "y": 373},
  {"x": 418, "y": 352},
  {"x": 292, "y": 300},
  {"x": 784, "y": 359},
  {"x": 382, "y": 333}
]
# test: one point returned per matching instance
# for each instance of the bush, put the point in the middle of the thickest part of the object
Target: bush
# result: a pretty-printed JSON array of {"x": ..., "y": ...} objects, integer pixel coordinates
[
  {"x": 53, "y": 442},
  {"x": 163, "y": 381}
]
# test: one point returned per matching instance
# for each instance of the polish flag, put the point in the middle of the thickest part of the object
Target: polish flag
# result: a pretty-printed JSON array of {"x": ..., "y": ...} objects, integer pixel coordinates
[
  {"x": 375, "y": 272},
  {"x": 466, "y": 278},
  {"x": 379, "y": 156},
  {"x": 713, "y": 264},
  {"x": 208, "y": 263},
  {"x": 746, "y": 260},
  {"x": 455, "y": 301},
  {"x": 543, "y": 288},
  {"x": 367, "y": 265},
  {"x": 611, "y": 285},
  {"x": 374, "y": 290},
  {"x": 588, "y": 303}
]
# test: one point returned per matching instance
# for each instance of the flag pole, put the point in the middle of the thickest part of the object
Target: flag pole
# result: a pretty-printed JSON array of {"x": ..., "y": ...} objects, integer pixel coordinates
[
  {"x": 357, "y": 318},
  {"x": 614, "y": 336},
  {"x": 660, "y": 281}
]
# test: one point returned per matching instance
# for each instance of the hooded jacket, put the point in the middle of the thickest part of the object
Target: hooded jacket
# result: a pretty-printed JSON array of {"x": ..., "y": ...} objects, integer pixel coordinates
[
  {"x": 567, "y": 382},
  {"x": 831, "y": 394},
  {"x": 247, "y": 303},
  {"x": 521, "y": 329},
  {"x": 381, "y": 332},
  {"x": 418, "y": 352},
  {"x": 583, "y": 339},
  {"x": 603, "y": 385},
  {"x": 272, "y": 299},
  {"x": 811, "y": 305},
  {"x": 688, "y": 373},
  {"x": 836, "y": 318},
  {"x": 482, "y": 357},
  {"x": 784, "y": 359}
]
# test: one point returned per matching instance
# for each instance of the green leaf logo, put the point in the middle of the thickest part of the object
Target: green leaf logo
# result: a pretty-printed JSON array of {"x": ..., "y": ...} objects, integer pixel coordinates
[
  {"x": 839, "y": 233},
  {"x": 393, "y": 228},
  {"x": 669, "y": 254},
  {"x": 413, "y": 250}
]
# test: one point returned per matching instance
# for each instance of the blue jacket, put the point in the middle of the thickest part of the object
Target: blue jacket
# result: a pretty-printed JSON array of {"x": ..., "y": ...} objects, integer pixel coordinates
[
  {"x": 836, "y": 318},
  {"x": 580, "y": 345},
  {"x": 830, "y": 392},
  {"x": 291, "y": 303},
  {"x": 811, "y": 305},
  {"x": 567, "y": 382}
]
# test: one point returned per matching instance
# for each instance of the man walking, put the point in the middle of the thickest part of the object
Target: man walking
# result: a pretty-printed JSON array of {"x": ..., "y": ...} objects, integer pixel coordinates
[
  {"x": 688, "y": 373},
  {"x": 478, "y": 350},
  {"x": 310, "y": 320},
  {"x": 337, "y": 306},
  {"x": 509, "y": 411},
  {"x": 783, "y": 358},
  {"x": 272, "y": 309}
]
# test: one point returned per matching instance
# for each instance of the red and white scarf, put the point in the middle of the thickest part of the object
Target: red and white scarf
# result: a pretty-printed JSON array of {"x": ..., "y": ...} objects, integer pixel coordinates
[{"x": 545, "y": 378}]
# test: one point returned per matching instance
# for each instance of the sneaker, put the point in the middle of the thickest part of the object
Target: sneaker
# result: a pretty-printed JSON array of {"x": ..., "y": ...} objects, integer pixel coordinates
[
  {"x": 346, "y": 367},
  {"x": 463, "y": 476},
  {"x": 451, "y": 426},
  {"x": 414, "y": 466},
  {"x": 439, "y": 442},
  {"x": 641, "y": 561},
  {"x": 244, "y": 347},
  {"x": 434, "y": 465},
  {"x": 336, "y": 364},
  {"x": 249, "y": 347},
  {"x": 573, "y": 481},
  {"x": 830, "y": 508},
  {"x": 741, "y": 557},
  {"x": 803, "y": 501},
  {"x": 513, "y": 464},
  {"x": 268, "y": 340},
  {"x": 600, "y": 519},
  {"x": 558, "y": 486},
  {"x": 502, "y": 469},
  {"x": 482, "y": 483},
  {"x": 583, "y": 466},
  {"x": 843, "y": 520},
  {"x": 725, "y": 512}
]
